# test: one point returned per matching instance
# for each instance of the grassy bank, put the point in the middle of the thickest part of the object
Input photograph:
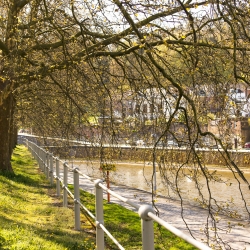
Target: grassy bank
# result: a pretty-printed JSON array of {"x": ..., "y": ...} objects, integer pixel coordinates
[{"x": 31, "y": 217}]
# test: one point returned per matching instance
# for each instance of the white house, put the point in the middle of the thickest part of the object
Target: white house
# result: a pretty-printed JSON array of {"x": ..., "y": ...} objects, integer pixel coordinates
[{"x": 152, "y": 103}]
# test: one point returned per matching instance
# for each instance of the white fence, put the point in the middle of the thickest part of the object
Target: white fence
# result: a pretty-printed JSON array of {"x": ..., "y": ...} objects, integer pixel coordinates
[{"x": 46, "y": 163}]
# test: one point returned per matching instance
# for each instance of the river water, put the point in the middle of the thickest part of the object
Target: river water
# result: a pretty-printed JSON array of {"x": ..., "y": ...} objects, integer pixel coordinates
[{"x": 225, "y": 189}]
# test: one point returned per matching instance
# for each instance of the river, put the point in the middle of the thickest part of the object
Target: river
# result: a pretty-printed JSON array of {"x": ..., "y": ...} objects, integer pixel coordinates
[{"x": 138, "y": 175}]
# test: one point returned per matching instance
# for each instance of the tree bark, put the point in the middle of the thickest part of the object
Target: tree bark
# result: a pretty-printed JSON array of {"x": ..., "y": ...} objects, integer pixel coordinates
[{"x": 7, "y": 132}]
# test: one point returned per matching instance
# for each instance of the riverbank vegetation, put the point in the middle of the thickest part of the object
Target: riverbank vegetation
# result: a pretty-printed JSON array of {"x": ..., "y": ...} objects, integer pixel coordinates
[{"x": 31, "y": 217}]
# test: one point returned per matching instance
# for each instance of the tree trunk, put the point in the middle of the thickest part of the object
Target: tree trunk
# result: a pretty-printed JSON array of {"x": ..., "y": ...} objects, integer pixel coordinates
[{"x": 7, "y": 132}]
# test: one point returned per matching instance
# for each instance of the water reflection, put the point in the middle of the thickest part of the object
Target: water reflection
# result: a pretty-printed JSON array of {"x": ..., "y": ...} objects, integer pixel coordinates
[{"x": 225, "y": 190}]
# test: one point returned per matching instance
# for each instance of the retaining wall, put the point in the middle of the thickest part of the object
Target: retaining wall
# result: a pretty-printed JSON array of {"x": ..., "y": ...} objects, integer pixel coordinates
[
  {"x": 135, "y": 154},
  {"x": 148, "y": 154}
]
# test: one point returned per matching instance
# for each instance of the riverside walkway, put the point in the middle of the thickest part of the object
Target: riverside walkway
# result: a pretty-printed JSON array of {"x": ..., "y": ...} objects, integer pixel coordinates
[
  {"x": 238, "y": 237},
  {"x": 235, "y": 234}
]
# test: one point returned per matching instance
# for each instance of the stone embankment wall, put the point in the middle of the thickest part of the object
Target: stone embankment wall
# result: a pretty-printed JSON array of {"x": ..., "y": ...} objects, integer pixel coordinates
[{"x": 135, "y": 154}]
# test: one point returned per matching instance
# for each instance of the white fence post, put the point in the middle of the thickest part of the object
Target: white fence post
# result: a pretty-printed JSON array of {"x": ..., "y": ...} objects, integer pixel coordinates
[
  {"x": 58, "y": 188},
  {"x": 77, "y": 199},
  {"x": 51, "y": 169},
  {"x": 147, "y": 227},
  {"x": 47, "y": 165},
  {"x": 43, "y": 161},
  {"x": 36, "y": 150},
  {"x": 99, "y": 215},
  {"x": 32, "y": 150},
  {"x": 40, "y": 158},
  {"x": 65, "y": 184}
]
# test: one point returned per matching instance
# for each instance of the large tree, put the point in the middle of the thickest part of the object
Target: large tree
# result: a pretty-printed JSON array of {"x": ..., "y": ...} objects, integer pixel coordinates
[{"x": 186, "y": 45}]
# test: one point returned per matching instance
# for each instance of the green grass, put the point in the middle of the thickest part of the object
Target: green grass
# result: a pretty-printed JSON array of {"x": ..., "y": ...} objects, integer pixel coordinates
[
  {"x": 31, "y": 217},
  {"x": 125, "y": 226}
]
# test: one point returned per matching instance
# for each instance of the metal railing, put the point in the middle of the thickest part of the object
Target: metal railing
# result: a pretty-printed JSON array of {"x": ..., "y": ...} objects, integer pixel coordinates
[{"x": 46, "y": 162}]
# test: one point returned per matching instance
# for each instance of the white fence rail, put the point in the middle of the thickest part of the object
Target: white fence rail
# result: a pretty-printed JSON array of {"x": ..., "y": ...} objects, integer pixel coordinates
[{"x": 46, "y": 163}]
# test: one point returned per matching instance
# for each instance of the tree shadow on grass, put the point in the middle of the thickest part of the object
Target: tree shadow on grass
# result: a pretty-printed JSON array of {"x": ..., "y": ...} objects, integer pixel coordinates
[
  {"x": 21, "y": 178},
  {"x": 68, "y": 240}
]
